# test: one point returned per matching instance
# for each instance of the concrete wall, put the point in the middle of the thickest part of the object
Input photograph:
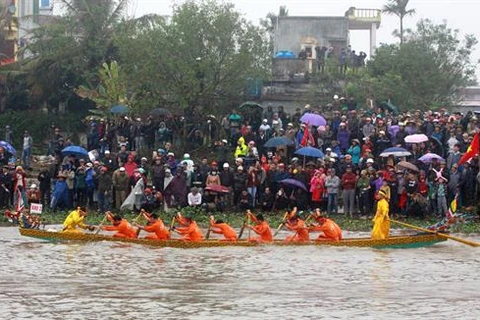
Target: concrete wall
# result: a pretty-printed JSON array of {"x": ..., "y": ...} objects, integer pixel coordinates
[{"x": 325, "y": 31}]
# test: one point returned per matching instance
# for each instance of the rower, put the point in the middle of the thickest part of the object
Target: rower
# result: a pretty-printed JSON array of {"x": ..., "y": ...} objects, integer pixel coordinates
[
  {"x": 296, "y": 224},
  {"x": 189, "y": 230},
  {"x": 75, "y": 221},
  {"x": 220, "y": 227},
  {"x": 122, "y": 226},
  {"x": 261, "y": 228},
  {"x": 155, "y": 226},
  {"x": 330, "y": 230}
]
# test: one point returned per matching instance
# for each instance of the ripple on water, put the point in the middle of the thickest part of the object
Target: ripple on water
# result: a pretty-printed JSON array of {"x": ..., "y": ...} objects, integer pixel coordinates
[{"x": 117, "y": 281}]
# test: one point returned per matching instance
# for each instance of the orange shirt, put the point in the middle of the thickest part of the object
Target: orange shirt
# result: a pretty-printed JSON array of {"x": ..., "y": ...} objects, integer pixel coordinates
[
  {"x": 191, "y": 232},
  {"x": 301, "y": 232},
  {"x": 124, "y": 230},
  {"x": 227, "y": 231},
  {"x": 159, "y": 229},
  {"x": 330, "y": 230}
]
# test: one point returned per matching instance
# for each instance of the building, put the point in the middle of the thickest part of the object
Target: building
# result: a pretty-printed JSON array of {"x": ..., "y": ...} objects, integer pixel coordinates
[
  {"x": 30, "y": 14},
  {"x": 470, "y": 100},
  {"x": 308, "y": 36}
]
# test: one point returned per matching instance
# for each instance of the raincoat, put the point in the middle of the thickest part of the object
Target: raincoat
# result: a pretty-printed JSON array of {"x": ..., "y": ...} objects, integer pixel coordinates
[
  {"x": 381, "y": 221},
  {"x": 242, "y": 148},
  {"x": 134, "y": 199},
  {"x": 73, "y": 221}
]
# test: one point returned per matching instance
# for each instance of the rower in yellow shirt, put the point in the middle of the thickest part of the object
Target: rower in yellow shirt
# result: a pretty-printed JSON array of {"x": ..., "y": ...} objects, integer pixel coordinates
[{"x": 75, "y": 221}]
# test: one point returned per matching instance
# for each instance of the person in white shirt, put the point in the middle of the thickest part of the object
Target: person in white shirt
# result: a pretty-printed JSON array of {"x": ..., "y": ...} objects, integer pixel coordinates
[{"x": 194, "y": 198}]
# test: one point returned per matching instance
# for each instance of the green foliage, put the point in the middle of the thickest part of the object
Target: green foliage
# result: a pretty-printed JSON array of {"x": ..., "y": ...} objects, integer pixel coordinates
[
  {"x": 202, "y": 56},
  {"x": 427, "y": 70},
  {"x": 68, "y": 52},
  {"x": 110, "y": 91},
  {"x": 399, "y": 9}
]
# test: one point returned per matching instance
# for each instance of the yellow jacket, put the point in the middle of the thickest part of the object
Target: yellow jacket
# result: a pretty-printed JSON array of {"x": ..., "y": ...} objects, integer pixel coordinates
[
  {"x": 242, "y": 148},
  {"x": 381, "y": 221},
  {"x": 74, "y": 220}
]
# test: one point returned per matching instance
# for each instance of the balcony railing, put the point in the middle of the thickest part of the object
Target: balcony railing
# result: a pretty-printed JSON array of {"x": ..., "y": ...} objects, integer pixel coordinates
[{"x": 364, "y": 14}]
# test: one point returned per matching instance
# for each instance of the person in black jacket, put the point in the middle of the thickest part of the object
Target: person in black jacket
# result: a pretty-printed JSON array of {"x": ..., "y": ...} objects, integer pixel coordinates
[
  {"x": 45, "y": 180},
  {"x": 239, "y": 184}
]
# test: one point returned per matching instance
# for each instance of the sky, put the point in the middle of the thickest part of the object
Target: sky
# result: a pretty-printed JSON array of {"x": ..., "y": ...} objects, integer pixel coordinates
[{"x": 459, "y": 14}]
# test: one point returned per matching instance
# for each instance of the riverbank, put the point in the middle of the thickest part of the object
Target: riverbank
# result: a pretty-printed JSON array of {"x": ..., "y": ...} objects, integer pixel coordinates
[{"x": 236, "y": 220}]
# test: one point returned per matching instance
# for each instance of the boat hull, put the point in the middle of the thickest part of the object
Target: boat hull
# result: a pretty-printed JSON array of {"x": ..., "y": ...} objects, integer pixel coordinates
[{"x": 419, "y": 240}]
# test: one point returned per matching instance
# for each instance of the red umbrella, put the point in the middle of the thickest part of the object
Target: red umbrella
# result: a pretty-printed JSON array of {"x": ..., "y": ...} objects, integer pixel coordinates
[{"x": 217, "y": 188}]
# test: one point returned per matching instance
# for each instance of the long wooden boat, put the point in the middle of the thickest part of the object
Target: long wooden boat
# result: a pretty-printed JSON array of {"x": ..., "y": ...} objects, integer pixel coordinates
[{"x": 412, "y": 241}]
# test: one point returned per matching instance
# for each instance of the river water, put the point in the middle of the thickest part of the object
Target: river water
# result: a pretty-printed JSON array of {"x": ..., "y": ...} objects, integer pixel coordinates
[{"x": 40, "y": 280}]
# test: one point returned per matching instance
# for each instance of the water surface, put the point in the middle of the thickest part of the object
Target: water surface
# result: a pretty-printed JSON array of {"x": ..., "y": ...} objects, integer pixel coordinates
[{"x": 106, "y": 280}]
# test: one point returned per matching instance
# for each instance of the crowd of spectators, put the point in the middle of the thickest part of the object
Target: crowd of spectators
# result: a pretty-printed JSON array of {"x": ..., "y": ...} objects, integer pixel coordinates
[{"x": 240, "y": 173}]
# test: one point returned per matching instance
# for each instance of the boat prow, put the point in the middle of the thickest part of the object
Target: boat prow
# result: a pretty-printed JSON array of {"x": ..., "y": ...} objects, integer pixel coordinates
[{"x": 412, "y": 241}]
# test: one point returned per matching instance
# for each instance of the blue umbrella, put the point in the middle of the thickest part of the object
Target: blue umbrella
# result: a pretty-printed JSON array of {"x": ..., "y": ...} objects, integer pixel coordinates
[
  {"x": 277, "y": 142},
  {"x": 294, "y": 183},
  {"x": 7, "y": 146},
  {"x": 75, "y": 150},
  {"x": 310, "y": 152},
  {"x": 119, "y": 109}
]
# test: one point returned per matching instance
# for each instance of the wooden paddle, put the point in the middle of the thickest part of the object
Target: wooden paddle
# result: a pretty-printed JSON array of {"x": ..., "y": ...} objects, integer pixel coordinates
[
  {"x": 207, "y": 236},
  {"x": 281, "y": 224},
  {"x": 464, "y": 241},
  {"x": 135, "y": 221},
  {"x": 172, "y": 224},
  {"x": 100, "y": 225},
  {"x": 240, "y": 234}
]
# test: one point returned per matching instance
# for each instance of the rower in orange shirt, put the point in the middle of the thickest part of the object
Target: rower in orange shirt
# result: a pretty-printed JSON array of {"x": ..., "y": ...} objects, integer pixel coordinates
[
  {"x": 190, "y": 230},
  {"x": 220, "y": 227},
  {"x": 262, "y": 228},
  {"x": 156, "y": 227},
  {"x": 295, "y": 223},
  {"x": 331, "y": 231},
  {"x": 122, "y": 226}
]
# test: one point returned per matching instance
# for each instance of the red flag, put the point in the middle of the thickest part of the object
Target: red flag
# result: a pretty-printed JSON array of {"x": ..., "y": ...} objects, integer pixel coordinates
[
  {"x": 472, "y": 150},
  {"x": 305, "y": 138}
]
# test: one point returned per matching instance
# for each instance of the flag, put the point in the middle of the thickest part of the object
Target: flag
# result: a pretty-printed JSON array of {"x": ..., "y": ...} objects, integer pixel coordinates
[
  {"x": 307, "y": 137},
  {"x": 472, "y": 150},
  {"x": 451, "y": 211}
]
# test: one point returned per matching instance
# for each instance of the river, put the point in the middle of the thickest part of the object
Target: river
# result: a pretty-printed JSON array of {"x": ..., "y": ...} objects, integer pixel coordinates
[{"x": 40, "y": 280}]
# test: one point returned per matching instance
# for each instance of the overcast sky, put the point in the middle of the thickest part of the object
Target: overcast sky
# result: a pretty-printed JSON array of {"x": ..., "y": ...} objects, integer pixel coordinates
[{"x": 459, "y": 14}]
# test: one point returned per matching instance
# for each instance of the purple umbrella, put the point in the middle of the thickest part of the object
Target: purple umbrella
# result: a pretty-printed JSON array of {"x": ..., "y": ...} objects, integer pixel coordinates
[
  {"x": 392, "y": 131},
  {"x": 294, "y": 183},
  {"x": 427, "y": 158},
  {"x": 313, "y": 119}
]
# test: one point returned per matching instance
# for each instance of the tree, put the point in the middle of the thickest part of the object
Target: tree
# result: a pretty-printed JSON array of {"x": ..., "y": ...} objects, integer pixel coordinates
[
  {"x": 399, "y": 9},
  {"x": 426, "y": 71},
  {"x": 201, "y": 56},
  {"x": 111, "y": 90},
  {"x": 69, "y": 51}
]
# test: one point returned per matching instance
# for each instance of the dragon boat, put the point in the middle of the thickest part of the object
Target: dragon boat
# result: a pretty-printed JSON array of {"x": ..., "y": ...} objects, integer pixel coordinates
[{"x": 410, "y": 241}]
